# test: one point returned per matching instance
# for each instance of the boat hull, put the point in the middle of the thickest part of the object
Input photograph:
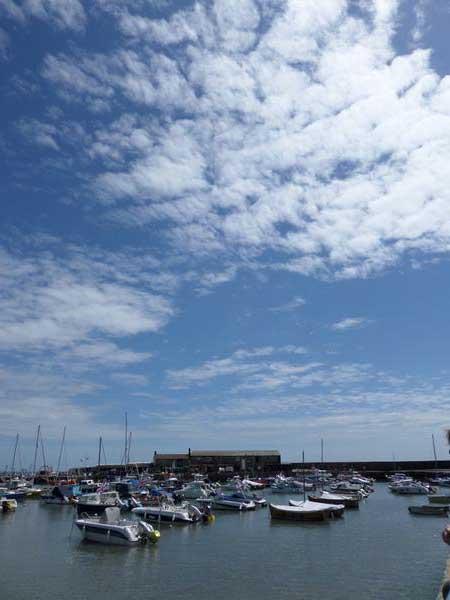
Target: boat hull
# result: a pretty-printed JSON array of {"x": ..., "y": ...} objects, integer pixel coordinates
[
  {"x": 439, "y": 499},
  {"x": 438, "y": 511},
  {"x": 347, "y": 502},
  {"x": 287, "y": 515},
  {"x": 156, "y": 515}
]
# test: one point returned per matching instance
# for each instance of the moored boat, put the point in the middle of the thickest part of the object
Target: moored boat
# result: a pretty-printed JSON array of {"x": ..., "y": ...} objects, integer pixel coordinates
[
  {"x": 96, "y": 504},
  {"x": 227, "y": 502},
  {"x": 110, "y": 529},
  {"x": 8, "y": 504},
  {"x": 427, "y": 509},
  {"x": 335, "y": 510},
  {"x": 169, "y": 513},
  {"x": 306, "y": 512},
  {"x": 436, "y": 499},
  {"x": 327, "y": 498}
]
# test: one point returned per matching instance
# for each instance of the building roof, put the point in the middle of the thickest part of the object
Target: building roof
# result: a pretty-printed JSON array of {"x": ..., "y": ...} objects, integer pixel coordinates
[
  {"x": 170, "y": 456},
  {"x": 199, "y": 453}
]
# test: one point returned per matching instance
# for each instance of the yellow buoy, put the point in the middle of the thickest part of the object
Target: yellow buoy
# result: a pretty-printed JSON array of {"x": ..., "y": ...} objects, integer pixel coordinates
[{"x": 154, "y": 536}]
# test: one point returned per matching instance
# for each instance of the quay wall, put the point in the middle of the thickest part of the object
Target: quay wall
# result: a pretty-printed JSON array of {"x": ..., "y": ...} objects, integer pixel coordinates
[{"x": 376, "y": 469}]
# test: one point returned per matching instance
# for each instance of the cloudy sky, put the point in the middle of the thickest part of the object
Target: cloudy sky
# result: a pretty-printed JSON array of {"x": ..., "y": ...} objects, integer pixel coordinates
[{"x": 230, "y": 219}]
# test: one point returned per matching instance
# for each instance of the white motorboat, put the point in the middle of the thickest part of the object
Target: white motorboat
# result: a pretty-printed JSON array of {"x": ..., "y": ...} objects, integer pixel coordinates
[
  {"x": 253, "y": 485},
  {"x": 411, "y": 488},
  {"x": 248, "y": 497},
  {"x": 288, "y": 485},
  {"x": 227, "y": 502},
  {"x": 441, "y": 481},
  {"x": 110, "y": 529},
  {"x": 98, "y": 502},
  {"x": 346, "y": 486},
  {"x": 194, "y": 490},
  {"x": 168, "y": 512}
]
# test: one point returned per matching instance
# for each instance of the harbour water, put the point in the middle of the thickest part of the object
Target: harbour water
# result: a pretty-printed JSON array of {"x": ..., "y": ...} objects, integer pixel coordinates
[{"x": 377, "y": 552}]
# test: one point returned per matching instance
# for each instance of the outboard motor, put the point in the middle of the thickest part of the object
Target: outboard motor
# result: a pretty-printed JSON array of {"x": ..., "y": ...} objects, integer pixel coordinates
[
  {"x": 148, "y": 533},
  {"x": 195, "y": 512}
]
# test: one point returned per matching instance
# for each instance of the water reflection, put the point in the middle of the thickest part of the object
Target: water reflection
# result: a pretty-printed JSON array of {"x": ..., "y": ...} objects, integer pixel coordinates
[{"x": 378, "y": 552}]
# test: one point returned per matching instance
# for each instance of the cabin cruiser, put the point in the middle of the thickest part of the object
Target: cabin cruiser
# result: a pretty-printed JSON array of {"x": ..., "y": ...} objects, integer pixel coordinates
[
  {"x": 248, "y": 497},
  {"x": 227, "y": 502},
  {"x": 18, "y": 495},
  {"x": 109, "y": 528},
  {"x": 398, "y": 477},
  {"x": 345, "y": 487},
  {"x": 168, "y": 512},
  {"x": 193, "y": 490},
  {"x": 441, "y": 481},
  {"x": 288, "y": 485},
  {"x": 253, "y": 485},
  {"x": 97, "y": 503},
  {"x": 410, "y": 488},
  {"x": 61, "y": 495}
]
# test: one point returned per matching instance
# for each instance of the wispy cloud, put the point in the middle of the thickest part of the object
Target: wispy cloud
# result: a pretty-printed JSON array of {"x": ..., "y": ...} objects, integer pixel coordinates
[
  {"x": 246, "y": 170},
  {"x": 293, "y": 304},
  {"x": 49, "y": 302},
  {"x": 350, "y": 323},
  {"x": 63, "y": 14}
]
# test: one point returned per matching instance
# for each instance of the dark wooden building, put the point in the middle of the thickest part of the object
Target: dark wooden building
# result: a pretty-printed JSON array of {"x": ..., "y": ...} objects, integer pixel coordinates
[{"x": 208, "y": 461}]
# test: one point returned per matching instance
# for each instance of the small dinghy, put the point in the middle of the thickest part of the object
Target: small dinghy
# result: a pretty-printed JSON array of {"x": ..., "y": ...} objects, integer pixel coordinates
[
  {"x": 305, "y": 511},
  {"x": 327, "y": 498},
  {"x": 426, "y": 509},
  {"x": 335, "y": 510},
  {"x": 439, "y": 499},
  {"x": 110, "y": 529}
]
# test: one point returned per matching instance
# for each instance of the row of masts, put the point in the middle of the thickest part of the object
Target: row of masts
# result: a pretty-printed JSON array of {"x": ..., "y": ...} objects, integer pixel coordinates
[
  {"x": 39, "y": 444},
  {"x": 127, "y": 449}
]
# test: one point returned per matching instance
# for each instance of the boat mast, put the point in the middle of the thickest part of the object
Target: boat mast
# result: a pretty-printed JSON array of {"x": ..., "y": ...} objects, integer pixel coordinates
[
  {"x": 61, "y": 450},
  {"x": 434, "y": 451},
  {"x": 321, "y": 450},
  {"x": 13, "y": 466},
  {"x": 99, "y": 451},
  {"x": 129, "y": 447},
  {"x": 36, "y": 448},
  {"x": 126, "y": 440},
  {"x": 43, "y": 453},
  {"x": 304, "y": 480}
]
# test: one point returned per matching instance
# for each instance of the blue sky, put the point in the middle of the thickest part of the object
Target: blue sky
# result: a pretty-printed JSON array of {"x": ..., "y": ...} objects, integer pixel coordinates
[{"x": 229, "y": 219}]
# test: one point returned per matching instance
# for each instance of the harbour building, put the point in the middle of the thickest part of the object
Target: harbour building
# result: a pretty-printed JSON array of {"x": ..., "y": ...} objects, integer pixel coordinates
[{"x": 209, "y": 461}]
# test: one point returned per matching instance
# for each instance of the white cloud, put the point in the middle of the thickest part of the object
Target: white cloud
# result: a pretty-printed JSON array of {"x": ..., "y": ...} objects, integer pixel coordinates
[
  {"x": 350, "y": 323},
  {"x": 254, "y": 366},
  {"x": 63, "y": 14},
  {"x": 130, "y": 379},
  {"x": 293, "y": 304},
  {"x": 93, "y": 354},
  {"x": 309, "y": 138},
  {"x": 48, "y": 302}
]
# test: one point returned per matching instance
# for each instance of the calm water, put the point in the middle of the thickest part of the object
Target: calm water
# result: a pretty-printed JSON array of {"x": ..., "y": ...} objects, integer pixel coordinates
[{"x": 379, "y": 552}]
